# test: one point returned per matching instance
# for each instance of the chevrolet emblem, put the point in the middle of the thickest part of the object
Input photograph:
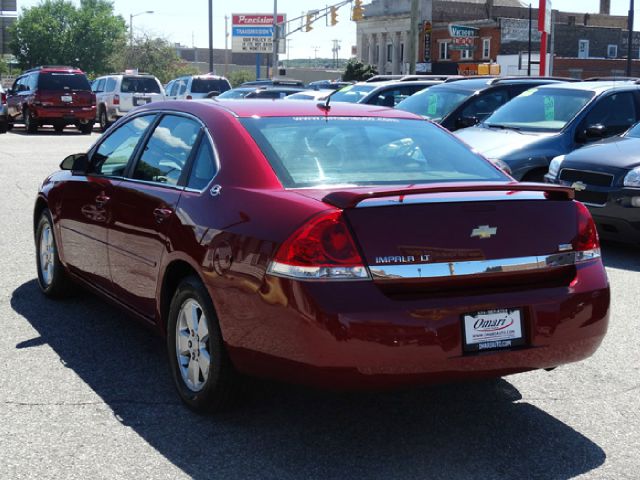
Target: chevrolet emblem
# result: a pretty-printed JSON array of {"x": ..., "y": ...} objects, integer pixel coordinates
[
  {"x": 578, "y": 186},
  {"x": 484, "y": 231}
]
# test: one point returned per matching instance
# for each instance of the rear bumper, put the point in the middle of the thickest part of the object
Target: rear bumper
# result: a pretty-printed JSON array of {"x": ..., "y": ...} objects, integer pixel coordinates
[
  {"x": 353, "y": 335},
  {"x": 67, "y": 114}
]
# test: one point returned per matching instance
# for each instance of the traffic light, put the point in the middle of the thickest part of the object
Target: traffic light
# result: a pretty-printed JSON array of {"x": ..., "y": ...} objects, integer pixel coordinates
[
  {"x": 334, "y": 16},
  {"x": 358, "y": 11},
  {"x": 308, "y": 26}
]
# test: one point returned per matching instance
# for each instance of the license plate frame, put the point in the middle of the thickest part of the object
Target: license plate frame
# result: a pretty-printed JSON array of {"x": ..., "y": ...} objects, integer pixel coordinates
[
  {"x": 497, "y": 329},
  {"x": 139, "y": 101},
  {"x": 66, "y": 98}
]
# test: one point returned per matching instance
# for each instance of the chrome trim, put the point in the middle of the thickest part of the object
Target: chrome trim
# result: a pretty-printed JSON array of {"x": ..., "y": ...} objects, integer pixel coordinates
[
  {"x": 413, "y": 200},
  {"x": 478, "y": 267},
  {"x": 604, "y": 174}
]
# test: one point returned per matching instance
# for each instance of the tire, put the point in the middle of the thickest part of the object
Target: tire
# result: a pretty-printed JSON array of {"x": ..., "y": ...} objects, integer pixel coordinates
[
  {"x": 4, "y": 126},
  {"x": 52, "y": 276},
  {"x": 201, "y": 369},
  {"x": 30, "y": 125},
  {"x": 9, "y": 126},
  {"x": 103, "y": 119},
  {"x": 58, "y": 127},
  {"x": 85, "y": 128}
]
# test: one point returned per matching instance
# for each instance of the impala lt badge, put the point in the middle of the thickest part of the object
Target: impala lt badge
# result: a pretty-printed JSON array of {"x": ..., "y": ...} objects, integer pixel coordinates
[
  {"x": 578, "y": 186},
  {"x": 484, "y": 231}
]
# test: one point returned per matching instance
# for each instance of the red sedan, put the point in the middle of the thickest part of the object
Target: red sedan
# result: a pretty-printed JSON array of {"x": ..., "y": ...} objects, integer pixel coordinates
[{"x": 345, "y": 246}]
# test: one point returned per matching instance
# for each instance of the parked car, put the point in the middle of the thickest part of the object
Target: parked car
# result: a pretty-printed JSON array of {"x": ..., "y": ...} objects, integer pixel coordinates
[
  {"x": 3, "y": 111},
  {"x": 259, "y": 92},
  {"x": 196, "y": 86},
  {"x": 281, "y": 82},
  {"x": 310, "y": 95},
  {"x": 465, "y": 102},
  {"x": 552, "y": 120},
  {"x": 171, "y": 215},
  {"x": 606, "y": 177},
  {"x": 49, "y": 95},
  {"x": 119, "y": 93},
  {"x": 327, "y": 85},
  {"x": 385, "y": 94}
]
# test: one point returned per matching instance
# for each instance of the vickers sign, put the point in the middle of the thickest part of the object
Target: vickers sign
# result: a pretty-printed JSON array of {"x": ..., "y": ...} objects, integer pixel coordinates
[{"x": 462, "y": 31}]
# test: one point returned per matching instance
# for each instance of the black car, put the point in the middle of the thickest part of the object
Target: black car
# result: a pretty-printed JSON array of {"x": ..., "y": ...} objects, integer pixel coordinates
[
  {"x": 276, "y": 82},
  {"x": 259, "y": 92},
  {"x": 606, "y": 178},
  {"x": 464, "y": 103}
]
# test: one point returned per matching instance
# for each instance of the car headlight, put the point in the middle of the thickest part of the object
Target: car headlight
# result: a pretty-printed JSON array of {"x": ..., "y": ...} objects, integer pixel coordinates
[
  {"x": 501, "y": 165},
  {"x": 632, "y": 179},
  {"x": 554, "y": 166}
]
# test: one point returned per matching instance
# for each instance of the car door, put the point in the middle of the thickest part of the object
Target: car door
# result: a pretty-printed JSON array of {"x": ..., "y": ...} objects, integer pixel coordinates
[
  {"x": 19, "y": 94},
  {"x": 85, "y": 208},
  {"x": 145, "y": 208},
  {"x": 484, "y": 104}
]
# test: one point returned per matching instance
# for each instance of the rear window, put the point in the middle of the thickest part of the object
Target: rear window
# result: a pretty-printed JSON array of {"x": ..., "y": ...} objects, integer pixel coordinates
[
  {"x": 139, "y": 85},
  {"x": 206, "y": 85},
  {"x": 358, "y": 151},
  {"x": 63, "y": 81}
]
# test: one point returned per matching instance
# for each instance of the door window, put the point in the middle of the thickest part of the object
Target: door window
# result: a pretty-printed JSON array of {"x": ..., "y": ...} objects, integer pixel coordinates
[
  {"x": 204, "y": 167},
  {"x": 182, "y": 85},
  {"x": 484, "y": 105},
  {"x": 98, "y": 85},
  {"x": 616, "y": 112},
  {"x": 167, "y": 150},
  {"x": 114, "y": 152},
  {"x": 110, "y": 85}
]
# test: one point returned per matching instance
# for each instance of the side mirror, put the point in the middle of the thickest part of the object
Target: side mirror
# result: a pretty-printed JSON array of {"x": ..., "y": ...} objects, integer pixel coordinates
[
  {"x": 77, "y": 163},
  {"x": 595, "y": 132},
  {"x": 464, "y": 122}
]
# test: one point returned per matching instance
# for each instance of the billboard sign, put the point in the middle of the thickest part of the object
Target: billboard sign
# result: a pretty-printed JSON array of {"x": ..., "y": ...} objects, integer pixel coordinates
[{"x": 253, "y": 33}]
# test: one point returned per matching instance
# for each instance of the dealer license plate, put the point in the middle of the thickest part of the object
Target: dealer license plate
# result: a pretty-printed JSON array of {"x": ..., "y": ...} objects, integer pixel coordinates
[
  {"x": 140, "y": 101},
  {"x": 66, "y": 98},
  {"x": 492, "y": 329}
]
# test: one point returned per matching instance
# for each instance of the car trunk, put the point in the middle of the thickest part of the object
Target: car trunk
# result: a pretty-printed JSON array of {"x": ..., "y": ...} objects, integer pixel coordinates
[{"x": 65, "y": 98}]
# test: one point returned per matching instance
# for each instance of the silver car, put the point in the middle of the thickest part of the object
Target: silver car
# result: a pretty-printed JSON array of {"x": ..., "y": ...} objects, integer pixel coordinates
[
  {"x": 117, "y": 94},
  {"x": 196, "y": 86}
]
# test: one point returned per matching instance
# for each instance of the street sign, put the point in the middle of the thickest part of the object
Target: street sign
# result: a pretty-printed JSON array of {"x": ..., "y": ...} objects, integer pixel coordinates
[
  {"x": 253, "y": 33},
  {"x": 544, "y": 16}
]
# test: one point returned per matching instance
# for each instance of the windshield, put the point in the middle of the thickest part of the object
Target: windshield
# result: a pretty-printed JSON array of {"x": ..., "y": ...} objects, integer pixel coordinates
[
  {"x": 63, "y": 81},
  {"x": 206, "y": 85},
  {"x": 633, "y": 131},
  {"x": 352, "y": 93},
  {"x": 358, "y": 151},
  {"x": 235, "y": 93},
  {"x": 540, "y": 109},
  {"x": 140, "y": 85},
  {"x": 434, "y": 103}
]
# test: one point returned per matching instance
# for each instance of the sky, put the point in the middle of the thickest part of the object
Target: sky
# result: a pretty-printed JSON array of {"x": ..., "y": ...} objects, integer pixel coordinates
[{"x": 189, "y": 26}]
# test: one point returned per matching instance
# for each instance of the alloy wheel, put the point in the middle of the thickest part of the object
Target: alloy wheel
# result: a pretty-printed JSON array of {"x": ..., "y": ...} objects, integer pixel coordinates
[
  {"x": 192, "y": 345},
  {"x": 47, "y": 255}
]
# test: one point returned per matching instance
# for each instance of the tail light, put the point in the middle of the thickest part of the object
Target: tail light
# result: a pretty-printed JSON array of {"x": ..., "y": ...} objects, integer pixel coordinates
[
  {"x": 586, "y": 244},
  {"x": 322, "y": 249},
  {"x": 116, "y": 99},
  {"x": 189, "y": 97}
]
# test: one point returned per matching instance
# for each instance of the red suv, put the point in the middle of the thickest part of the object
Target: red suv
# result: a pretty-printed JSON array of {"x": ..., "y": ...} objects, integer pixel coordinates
[{"x": 57, "y": 96}]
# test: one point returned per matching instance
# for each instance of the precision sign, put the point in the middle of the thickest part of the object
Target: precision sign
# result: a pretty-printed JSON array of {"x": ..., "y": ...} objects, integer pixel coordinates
[
  {"x": 253, "y": 32},
  {"x": 462, "y": 37}
]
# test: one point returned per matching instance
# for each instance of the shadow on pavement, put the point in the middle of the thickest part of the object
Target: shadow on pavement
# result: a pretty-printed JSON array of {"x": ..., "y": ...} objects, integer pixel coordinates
[
  {"x": 478, "y": 430},
  {"x": 623, "y": 257}
]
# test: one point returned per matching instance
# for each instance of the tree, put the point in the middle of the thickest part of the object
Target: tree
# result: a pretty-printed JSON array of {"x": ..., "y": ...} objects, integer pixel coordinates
[
  {"x": 58, "y": 32},
  {"x": 356, "y": 71},
  {"x": 152, "y": 55},
  {"x": 240, "y": 76}
]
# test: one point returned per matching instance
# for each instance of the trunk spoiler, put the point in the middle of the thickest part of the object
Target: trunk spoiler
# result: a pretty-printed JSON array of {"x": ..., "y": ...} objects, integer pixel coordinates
[{"x": 350, "y": 199}]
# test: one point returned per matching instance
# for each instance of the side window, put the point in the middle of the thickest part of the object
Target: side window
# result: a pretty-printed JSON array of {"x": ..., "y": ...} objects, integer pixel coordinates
[
  {"x": 183, "y": 87},
  {"x": 114, "y": 152},
  {"x": 616, "y": 112},
  {"x": 32, "y": 82},
  {"x": 167, "y": 150},
  {"x": 484, "y": 105},
  {"x": 204, "y": 167},
  {"x": 110, "y": 85},
  {"x": 99, "y": 85}
]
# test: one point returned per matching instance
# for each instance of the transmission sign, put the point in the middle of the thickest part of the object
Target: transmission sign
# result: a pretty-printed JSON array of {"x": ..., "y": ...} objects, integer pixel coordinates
[{"x": 253, "y": 32}]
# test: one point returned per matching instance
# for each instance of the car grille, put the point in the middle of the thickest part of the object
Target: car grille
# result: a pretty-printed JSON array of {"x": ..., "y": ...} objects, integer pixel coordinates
[
  {"x": 594, "y": 198},
  {"x": 589, "y": 178}
]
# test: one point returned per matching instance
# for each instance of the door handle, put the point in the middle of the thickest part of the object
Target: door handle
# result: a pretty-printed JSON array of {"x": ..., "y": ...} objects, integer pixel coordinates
[
  {"x": 161, "y": 214},
  {"x": 101, "y": 200}
]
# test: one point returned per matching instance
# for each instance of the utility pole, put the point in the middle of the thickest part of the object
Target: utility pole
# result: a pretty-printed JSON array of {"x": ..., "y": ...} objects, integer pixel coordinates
[
  {"x": 630, "y": 40},
  {"x": 529, "y": 46},
  {"x": 210, "y": 35},
  {"x": 226, "y": 45},
  {"x": 335, "y": 50},
  {"x": 413, "y": 37},
  {"x": 274, "y": 68}
]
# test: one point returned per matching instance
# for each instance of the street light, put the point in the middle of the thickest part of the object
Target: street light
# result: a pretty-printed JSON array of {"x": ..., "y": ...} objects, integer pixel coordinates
[{"x": 131, "y": 24}]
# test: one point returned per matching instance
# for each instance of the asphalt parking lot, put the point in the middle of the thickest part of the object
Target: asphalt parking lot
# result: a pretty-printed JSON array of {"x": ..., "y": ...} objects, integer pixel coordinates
[{"x": 86, "y": 393}]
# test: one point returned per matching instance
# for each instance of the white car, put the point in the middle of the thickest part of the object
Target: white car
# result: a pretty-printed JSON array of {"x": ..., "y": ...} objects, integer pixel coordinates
[
  {"x": 196, "y": 86},
  {"x": 117, "y": 94}
]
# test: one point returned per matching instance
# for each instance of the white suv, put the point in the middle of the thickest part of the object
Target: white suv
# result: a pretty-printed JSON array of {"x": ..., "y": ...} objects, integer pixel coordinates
[
  {"x": 196, "y": 86},
  {"x": 117, "y": 94}
]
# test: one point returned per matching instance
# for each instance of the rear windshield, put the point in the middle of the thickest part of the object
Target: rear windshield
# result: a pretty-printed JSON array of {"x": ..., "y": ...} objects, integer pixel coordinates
[
  {"x": 235, "y": 93},
  {"x": 352, "y": 93},
  {"x": 139, "y": 85},
  {"x": 206, "y": 85},
  {"x": 359, "y": 151},
  {"x": 434, "y": 103},
  {"x": 63, "y": 81}
]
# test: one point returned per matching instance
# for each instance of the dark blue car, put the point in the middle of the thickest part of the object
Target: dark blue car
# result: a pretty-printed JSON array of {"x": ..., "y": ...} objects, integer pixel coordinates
[{"x": 551, "y": 120}]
